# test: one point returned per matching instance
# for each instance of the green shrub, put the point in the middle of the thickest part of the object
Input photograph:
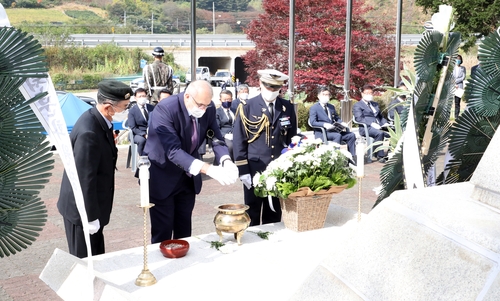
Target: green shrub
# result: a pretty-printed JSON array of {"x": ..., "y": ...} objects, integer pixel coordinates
[{"x": 82, "y": 15}]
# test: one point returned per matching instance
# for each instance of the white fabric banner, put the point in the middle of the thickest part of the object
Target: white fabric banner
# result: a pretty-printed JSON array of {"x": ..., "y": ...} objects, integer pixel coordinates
[
  {"x": 49, "y": 112},
  {"x": 411, "y": 156}
]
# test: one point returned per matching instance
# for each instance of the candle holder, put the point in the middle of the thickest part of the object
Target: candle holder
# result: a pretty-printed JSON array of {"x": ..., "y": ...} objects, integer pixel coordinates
[
  {"x": 360, "y": 168},
  {"x": 145, "y": 278}
]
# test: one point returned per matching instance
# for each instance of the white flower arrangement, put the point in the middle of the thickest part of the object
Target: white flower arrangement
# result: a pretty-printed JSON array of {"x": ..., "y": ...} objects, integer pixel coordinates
[{"x": 311, "y": 164}]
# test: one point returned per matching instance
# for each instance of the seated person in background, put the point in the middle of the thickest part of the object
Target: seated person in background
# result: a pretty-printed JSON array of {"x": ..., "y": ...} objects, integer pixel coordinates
[
  {"x": 323, "y": 114},
  {"x": 225, "y": 119},
  {"x": 138, "y": 117},
  {"x": 164, "y": 94},
  {"x": 243, "y": 91},
  {"x": 367, "y": 111},
  {"x": 396, "y": 104}
]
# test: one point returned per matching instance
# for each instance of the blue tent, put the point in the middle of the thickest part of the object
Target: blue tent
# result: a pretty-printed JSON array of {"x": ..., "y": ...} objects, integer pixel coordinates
[{"x": 73, "y": 107}]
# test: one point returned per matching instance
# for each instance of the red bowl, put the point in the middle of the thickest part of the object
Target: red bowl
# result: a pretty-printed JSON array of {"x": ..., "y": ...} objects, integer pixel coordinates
[{"x": 174, "y": 248}]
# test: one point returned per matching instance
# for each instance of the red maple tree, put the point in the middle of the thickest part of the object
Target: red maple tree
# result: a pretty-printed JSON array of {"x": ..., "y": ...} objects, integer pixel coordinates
[{"x": 320, "y": 44}]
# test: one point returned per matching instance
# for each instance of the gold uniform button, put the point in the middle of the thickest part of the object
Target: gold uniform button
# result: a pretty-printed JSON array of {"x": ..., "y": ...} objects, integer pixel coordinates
[
  {"x": 272, "y": 156},
  {"x": 272, "y": 146},
  {"x": 272, "y": 127},
  {"x": 272, "y": 137}
]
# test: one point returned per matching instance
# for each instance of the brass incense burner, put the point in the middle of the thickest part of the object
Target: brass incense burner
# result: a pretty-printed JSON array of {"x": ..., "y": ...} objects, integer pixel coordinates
[{"x": 232, "y": 218}]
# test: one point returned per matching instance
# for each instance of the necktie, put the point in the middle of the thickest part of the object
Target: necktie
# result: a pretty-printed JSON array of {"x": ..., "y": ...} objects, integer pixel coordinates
[
  {"x": 194, "y": 136},
  {"x": 271, "y": 111},
  {"x": 146, "y": 114},
  {"x": 229, "y": 116},
  {"x": 326, "y": 111},
  {"x": 374, "y": 111}
]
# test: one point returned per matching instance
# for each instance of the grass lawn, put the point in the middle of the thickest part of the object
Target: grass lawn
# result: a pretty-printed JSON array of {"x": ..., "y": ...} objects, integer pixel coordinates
[{"x": 18, "y": 15}]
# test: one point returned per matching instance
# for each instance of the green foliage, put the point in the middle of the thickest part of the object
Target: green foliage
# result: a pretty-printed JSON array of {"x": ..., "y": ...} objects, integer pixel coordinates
[
  {"x": 104, "y": 58},
  {"x": 303, "y": 116},
  {"x": 28, "y": 4},
  {"x": 83, "y": 15}
]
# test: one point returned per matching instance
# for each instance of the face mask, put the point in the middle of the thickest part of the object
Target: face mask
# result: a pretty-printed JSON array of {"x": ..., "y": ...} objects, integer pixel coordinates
[
  {"x": 119, "y": 117},
  {"x": 269, "y": 95},
  {"x": 368, "y": 97},
  {"x": 142, "y": 101},
  {"x": 459, "y": 62},
  {"x": 197, "y": 112},
  {"x": 324, "y": 99},
  {"x": 243, "y": 96},
  {"x": 226, "y": 104}
]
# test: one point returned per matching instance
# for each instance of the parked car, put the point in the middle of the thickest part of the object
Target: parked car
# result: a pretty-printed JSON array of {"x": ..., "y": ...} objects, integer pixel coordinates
[
  {"x": 201, "y": 73},
  {"x": 221, "y": 76},
  {"x": 137, "y": 83}
]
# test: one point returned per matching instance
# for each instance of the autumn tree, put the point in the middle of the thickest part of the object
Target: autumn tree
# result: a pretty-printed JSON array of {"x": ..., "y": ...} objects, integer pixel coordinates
[
  {"x": 474, "y": 19},
  {"x": 320, "y": 44}
]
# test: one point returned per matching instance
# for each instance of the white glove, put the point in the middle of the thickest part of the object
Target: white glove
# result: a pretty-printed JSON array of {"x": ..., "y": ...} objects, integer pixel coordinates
[
  {"x": 344, "y": 124},
  {"x": 231, "y": 169},
  {"x": 94, "y": 226},
  {"x": 220, "y": 174},
  {"x": 375, "y": 125},
  {"x": 327, "y": 125},
  {"x": 228, "y": 136},
  {"x": 386, "y": 125},
  {"x": 247, "y": 180}
]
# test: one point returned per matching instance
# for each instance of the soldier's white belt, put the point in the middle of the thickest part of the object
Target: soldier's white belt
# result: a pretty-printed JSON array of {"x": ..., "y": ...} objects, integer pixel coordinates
[{"x": 158, "y": 88}]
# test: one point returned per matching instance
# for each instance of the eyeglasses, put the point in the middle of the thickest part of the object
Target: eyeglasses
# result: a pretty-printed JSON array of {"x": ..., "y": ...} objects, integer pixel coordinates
[{"x": 200, "y": 105}]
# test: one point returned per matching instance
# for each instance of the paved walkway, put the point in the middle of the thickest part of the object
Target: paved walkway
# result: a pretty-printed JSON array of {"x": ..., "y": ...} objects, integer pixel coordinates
[{"x": 19, "y": 278}]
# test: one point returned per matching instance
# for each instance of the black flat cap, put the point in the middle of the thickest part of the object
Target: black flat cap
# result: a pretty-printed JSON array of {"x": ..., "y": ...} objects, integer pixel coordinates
[{"x": 114, "y": 90}]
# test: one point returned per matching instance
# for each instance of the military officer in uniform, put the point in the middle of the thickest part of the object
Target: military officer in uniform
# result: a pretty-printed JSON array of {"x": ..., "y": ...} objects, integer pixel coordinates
[
  {"x": 157, "y": 76},
  {"x": 263, "y": 126}
]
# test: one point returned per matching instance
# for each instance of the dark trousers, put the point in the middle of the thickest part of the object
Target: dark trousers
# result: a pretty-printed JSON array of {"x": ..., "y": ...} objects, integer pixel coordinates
[
  {"x": 171, "y": 217},
  {"x": 348, "y": 137},
  {"x": 141, "y": 142},
  {"x": 457, "y": 106},
  {"x": 377, "y": 135},
  {"x": 76, "y": 240},
  {"x": 258, "y": 205}
]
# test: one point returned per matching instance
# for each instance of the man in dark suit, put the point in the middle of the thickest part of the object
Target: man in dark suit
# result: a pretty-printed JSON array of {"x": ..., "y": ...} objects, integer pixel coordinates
[
  {"x": 323, "y": 114},
  {"x": 177, "y": 128},
  {"x": 243, "y": 91},
  {"x": 138, "y": 117},
  {"x": 264, "y": 125},
  {"x": 368, "y": 112},
  {"x": 225, "y": 119},
  {"x": 95, "y": 158}
]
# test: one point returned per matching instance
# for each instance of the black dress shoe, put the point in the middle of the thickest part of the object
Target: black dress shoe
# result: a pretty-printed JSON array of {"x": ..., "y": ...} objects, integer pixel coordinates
[{"x": 382, "y": 160}]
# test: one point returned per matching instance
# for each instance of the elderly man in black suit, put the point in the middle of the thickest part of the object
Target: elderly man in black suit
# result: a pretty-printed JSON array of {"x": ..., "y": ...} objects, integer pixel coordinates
[
  {"x": 368, "y": 112},
  {"x": 95, "y": 158},
  {"x": 138, "y": 117},
  {"x": 177, "y": 128},
  {"x": 225, "y": 119},
  {"x": 264, "y": 125}
]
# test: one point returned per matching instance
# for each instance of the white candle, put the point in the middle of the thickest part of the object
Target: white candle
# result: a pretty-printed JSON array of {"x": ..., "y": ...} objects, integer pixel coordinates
[
  {"x": 360, "y": 157},
  {"x": 144, "y": 180}
]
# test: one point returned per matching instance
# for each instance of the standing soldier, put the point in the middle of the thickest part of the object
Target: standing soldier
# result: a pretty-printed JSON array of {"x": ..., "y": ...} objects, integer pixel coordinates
[
  {"x": 157, "y": 76},
  {"x": 263, "y": 126}
]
